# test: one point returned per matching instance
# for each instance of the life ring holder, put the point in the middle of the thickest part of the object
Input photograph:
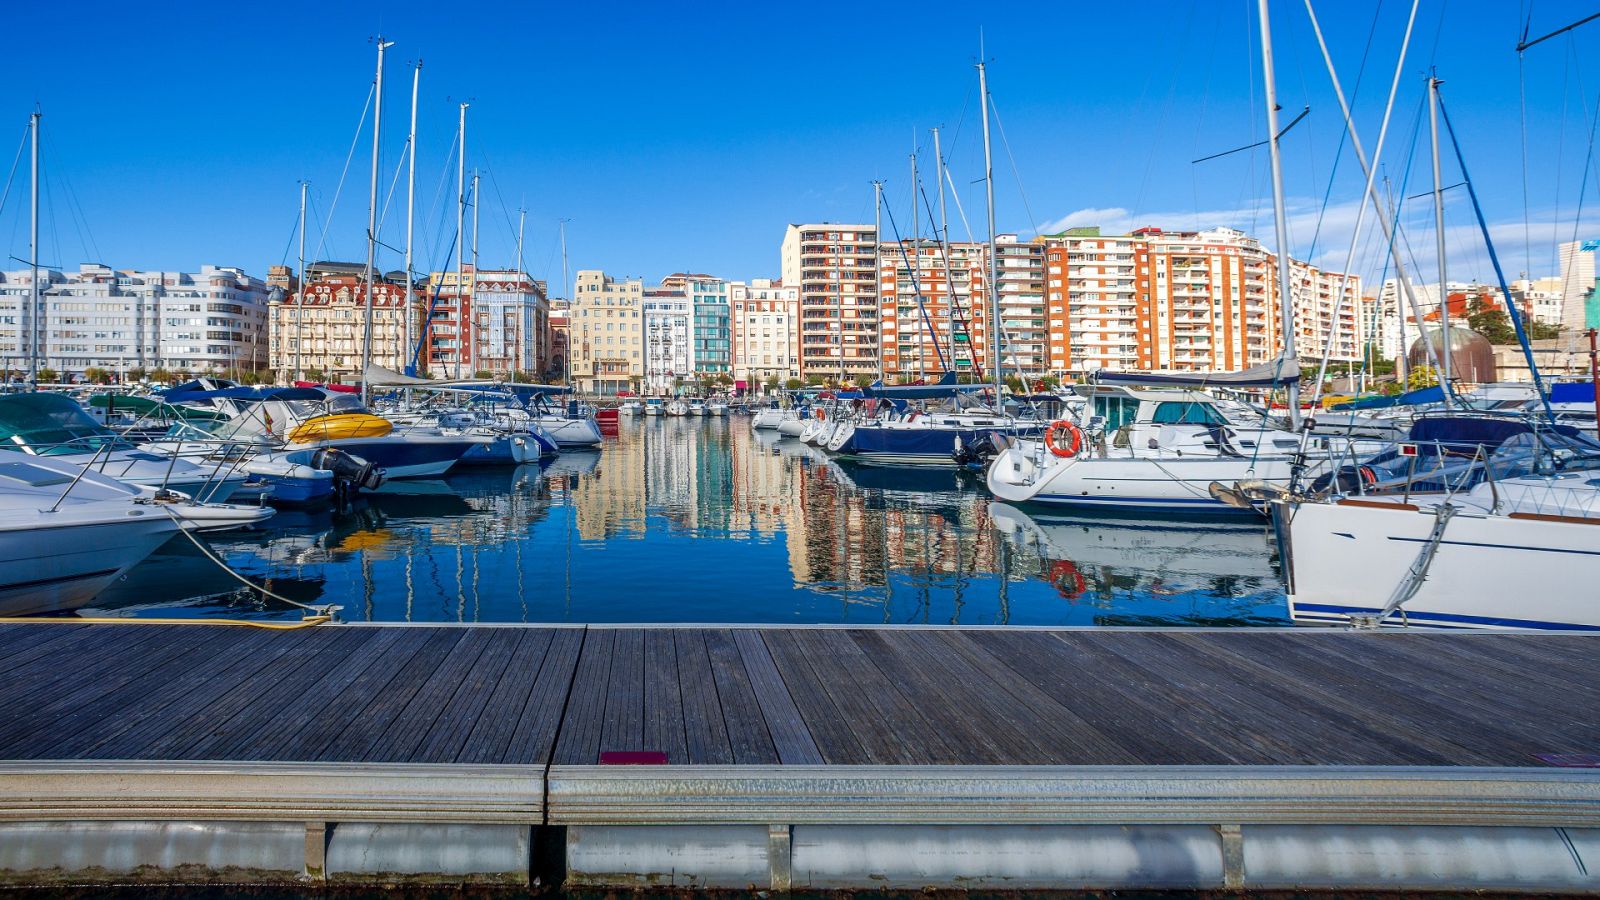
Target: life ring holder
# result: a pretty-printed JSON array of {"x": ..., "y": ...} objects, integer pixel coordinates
[{"x": 1073, "y": 432}]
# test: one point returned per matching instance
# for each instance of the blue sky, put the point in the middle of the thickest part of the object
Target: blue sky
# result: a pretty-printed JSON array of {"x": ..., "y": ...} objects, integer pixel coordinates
[{"x": 685, "y": 137}]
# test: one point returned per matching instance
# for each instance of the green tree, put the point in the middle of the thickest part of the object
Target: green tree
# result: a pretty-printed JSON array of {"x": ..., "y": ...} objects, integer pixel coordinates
[
  {"x": 314, "y": 375},
  {"x": 48, "y": 375},
  {"x": 814, "y": 380},
  {"x": 137, "y": 373},
  {"x": 794, "y": 384},
  {"x": 249, "y": 376},
  {"x": 160, "y": 375},
  {"x": 772, "y": 383},
  {"x": 1490, "y": 321},
  {"x": 483, "y": 374},
  {"x": 863, "y": 380},
  {"x": 1014, "y": 384},
  {"x": 1421, "y": 377},
  {"x": 96, "y": 375}
]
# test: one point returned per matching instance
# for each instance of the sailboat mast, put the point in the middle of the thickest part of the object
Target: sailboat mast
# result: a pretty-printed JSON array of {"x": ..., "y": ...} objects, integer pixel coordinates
[
  {"x": 566, "y": 284},
  {"x": 916, "y": 256},
  {"x": 993, "y": 261},
  {"x": 1280, "y": 224},
  {"x": 519, "y": 359},
  {"x": 411, "y": 211},
  {"x": 300, "y": 298},
  {"x": 472, "y": 290},
  {"x": 372, "y": 220},
  {"x": 877, "y": 261},
  {"x": 1438, "y": 221},
  {"x": 33, "y": 256},
  {"x": 461, "y": 229},
  {"x": 943, "y": 237}
]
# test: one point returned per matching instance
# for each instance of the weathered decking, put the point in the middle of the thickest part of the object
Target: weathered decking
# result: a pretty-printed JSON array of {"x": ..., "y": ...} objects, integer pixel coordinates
[{"x": 496, "y": 726}]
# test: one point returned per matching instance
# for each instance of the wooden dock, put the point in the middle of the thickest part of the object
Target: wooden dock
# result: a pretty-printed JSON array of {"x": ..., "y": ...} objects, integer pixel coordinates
[{"x": 773, "y": 731}]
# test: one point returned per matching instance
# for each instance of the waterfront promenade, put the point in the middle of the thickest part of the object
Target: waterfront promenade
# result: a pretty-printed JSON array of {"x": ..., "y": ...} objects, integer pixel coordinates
[{"x": 778, "y": 757}]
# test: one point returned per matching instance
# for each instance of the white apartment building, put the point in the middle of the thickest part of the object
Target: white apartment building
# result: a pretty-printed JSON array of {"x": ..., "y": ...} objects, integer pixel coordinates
[
  {"x": 1024, "y": 320},
  {"x": 510, "y": 322},
  {"x": 605, "y": 333},
  {"x": 833, "y": 266},
  {"x": 668, "y": 340},
  {"x": 1577, "y": 281},
  {"x": 119, "y": 320},
  {"x": 765, "y": 320}
]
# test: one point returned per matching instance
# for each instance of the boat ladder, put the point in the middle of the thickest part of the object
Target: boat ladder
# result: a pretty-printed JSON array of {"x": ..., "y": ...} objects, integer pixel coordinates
[{"x": 1417, "y": 574}]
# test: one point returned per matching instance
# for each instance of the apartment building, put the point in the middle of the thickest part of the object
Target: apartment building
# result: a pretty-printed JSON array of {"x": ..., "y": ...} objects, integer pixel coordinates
[
  {"x": 510, "y": 324},
  {"x": 1580, "y": 291},
  {"x": 1539, "y": 299},
  {"x": 606, "y": 333},
  {"x": 764, "y": 319},
  {"x": 710, "y": 331},
  {"x": 1097, "y": 294},
  {"x": 834, "y": 267},
  {"x": 1025, "y": 339},
  {"x": 668, "y": 341},
  {"x": 319, "y": 331},
  {"x": 98, "y": 317},
  {"x": 933, "y": 308}
]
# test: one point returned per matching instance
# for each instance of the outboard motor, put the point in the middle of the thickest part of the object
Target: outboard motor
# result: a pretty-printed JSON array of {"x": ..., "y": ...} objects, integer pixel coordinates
[{"x": 349, "y": 471}]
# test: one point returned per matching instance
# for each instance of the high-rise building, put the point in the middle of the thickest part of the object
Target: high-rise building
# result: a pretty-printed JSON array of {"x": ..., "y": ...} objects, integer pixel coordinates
[
  {"x": 668, "y": 341},
  {"x": 320, "y": 331},
  {"x": 1025, "y": 344},
  {"x": 1578, "y": 286},
  {"x": 765, "y": 319},
  {"x": 97, "y": 317},
  {"x": 1096, "y": 289},
  {"x": 606, "y": 333},
  {"x": 933, "y": 308},
  {"x": 833, "y": 267}
]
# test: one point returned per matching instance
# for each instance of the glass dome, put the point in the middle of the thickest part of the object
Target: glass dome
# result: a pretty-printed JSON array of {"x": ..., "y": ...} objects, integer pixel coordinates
[{"x": 1471, "y": 354}]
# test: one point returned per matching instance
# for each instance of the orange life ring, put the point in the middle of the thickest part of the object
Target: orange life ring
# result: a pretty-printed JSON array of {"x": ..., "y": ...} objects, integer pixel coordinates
[
  {"x": 820, "y": 413},
  {"x": 1073, "y": 432},
  {"x": 1068, "y": 580}
]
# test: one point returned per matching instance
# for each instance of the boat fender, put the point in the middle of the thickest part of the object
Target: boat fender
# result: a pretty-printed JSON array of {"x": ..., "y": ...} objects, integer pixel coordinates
[
  {"x": 1052, "y": 438},
  {"x": 353, "y": 470}
]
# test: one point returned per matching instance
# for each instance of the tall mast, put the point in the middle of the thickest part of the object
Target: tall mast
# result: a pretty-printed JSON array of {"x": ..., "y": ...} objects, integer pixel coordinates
[
  {"x": 472, "y": 290},
  {"x": 1438, "y": 221},
  {"x": 943, "y": 236},
  {"x": 877, "y": 265},
  {"x": 33, "y": 257},
  {"x": 993, "y": 262},
  {"x": 411, "y": 210},
  {"x": 916, "y": 257},
  {"x": 566, "y": 288},
  {"x": 461, "y": 231},
  {"x": 518, "y": 359},
  {"x": 300, "y": 295},
  {"x": 372, "y": 220},
  {"x": 1280, "y": 223}
]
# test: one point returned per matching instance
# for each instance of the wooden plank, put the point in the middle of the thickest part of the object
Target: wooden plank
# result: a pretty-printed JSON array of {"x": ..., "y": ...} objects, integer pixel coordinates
[
  {"x": 461, "y": 712},
  {"x": 15, "y": 638},
  {"x": 96, "y": 651},
  {"x": 284, "y": 698},
  {"x": 490, "y": 737},
  {"x": 404, "y": 737},
  {"x": 705, "y": 734},
  {"x": 79, "y": 705},
  {"x": 364, "y": 733},
  {"x": 202, "y": 722},
  {"x": 824, "y": 720},
  {"x": 1067, "y": 737},
  {"x": 579, "y": 740},
  {"x": 188, "y": 696},
  {"x": 888, "y": 726},
  {"x": 622, "y": 727},
  {"x": 1323, "y": 735},
  {"x": 533, "y": 741},
  {"x": 747, "y": 730},
  {"x": 789, "y": 734},
  {"x": 266, "y": 730},
  {"x": 663, "y": 698}
]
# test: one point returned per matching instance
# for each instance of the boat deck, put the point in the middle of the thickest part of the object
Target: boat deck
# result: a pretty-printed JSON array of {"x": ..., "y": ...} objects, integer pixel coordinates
[{"x": 514, "y": 724}]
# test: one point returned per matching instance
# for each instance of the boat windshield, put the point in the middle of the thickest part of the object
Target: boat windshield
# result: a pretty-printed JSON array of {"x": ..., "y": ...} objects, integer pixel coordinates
[{"x": 50, "y": 425}]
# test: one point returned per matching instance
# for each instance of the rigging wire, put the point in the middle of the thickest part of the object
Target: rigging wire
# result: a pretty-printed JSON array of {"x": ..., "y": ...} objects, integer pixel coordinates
[
  {"x": 21, "y": 146},
  {"x": 361, "y": 124}
]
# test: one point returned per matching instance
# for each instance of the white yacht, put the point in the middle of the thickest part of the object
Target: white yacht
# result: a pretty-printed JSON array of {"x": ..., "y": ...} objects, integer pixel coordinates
[
  {"x": 716, "y": 408},
  {"x": 1144, "y": 450},
  {"x": 677, "y": 408},
  {"x": 697, "y": 407},
  {"x": 631, "y": 408}
]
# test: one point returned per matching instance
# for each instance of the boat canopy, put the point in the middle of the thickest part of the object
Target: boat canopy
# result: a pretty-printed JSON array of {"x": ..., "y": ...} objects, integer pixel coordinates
[
  {"x": 378, "y": 376},
  {"x": 252, "y": 394},
  {"x": 42, "y": 420},
  {"x": 1458, "y": 431},
  {"x": 1273, "y": 373},
  {"x": 1417, "y": 397},
  {"x": 944, "y": 387}
]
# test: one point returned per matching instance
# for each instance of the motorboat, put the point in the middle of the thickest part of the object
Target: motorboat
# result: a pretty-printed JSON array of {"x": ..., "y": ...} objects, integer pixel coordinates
[
  {"x": 55, "y": 425},
  {"x": 655, "y": 406},
  {"x": 697, "y": 407},
  {"x": 716, "y": 408},
  {"x": 677, "y": 408},
  {"x": 1151, "y": 450},
  {"x": 771, "y": 416},
  {"x": 631, "y": 408}
]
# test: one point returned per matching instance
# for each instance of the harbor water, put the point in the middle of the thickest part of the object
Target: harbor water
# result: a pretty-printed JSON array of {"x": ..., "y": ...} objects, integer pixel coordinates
[{"x": 705, "y": 521}]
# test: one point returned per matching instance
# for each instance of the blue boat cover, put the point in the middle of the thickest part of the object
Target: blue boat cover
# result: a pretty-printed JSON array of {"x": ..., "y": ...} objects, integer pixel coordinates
[
  {"x": 1572, "y": 392},
  {"x": 1490, "y": 431},
  {"x": 944, "y": 387},
  {"x": 1417, "y": 397},
  {"x": 181, "y": 395}
]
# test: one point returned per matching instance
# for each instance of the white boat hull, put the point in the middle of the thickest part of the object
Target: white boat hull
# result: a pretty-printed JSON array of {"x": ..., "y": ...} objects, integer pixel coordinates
[
  {"x": 57, "y": 569},
  {"x": 1169, "y": 483},
  {"x": 1498, "y": 572}
]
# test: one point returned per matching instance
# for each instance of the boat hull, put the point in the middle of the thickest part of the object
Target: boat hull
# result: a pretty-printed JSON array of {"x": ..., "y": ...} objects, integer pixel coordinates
[
  {"x": 47, "y": 570},
  {"x": 1169, "y": 484},
  {"x": 1346, "y": 559}
]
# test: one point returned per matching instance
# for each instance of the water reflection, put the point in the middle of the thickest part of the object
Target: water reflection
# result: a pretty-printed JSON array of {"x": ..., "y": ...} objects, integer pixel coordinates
[{"x": 688, "y": 520}]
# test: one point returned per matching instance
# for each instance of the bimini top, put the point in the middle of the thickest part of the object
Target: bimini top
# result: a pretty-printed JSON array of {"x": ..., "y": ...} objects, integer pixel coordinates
[
  {"x": 1417, "y": 397},
  {"x": 252, "y": 394},
  {"x": 944, "y": 387},
  {"x": 41, "y": 420},
  {"x": 378, "y": 376},
  {"x": 1273, "y": 373}
]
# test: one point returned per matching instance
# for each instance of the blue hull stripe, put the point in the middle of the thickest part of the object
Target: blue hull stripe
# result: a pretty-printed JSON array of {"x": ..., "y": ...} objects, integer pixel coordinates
[{"x": 1455, "y": 619}]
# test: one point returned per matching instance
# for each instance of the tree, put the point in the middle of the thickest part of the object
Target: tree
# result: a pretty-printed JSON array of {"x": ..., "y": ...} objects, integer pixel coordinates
[
  {"x": 314, "y": 375},
  {"x": 483, "y": 374},
  {"x": 96, "y": 375},
  {"x": 1490, "y": 321},
  {"x": 863, "y": 380},
  {"x": 772, "y": 383},
  {"x": 249, "y": 376},
  {"x": 725, "y": 379},
  {"x": 160, "y": 375},
  {"x": 1014, "y": 384},
  {"x": 47, "y": 375},
  {"x": 814, "y": 380},
  {"x": 794, "y": 384},
  {"x": 137, "y": 373},
  {"x": 1421, "y": 377}
]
